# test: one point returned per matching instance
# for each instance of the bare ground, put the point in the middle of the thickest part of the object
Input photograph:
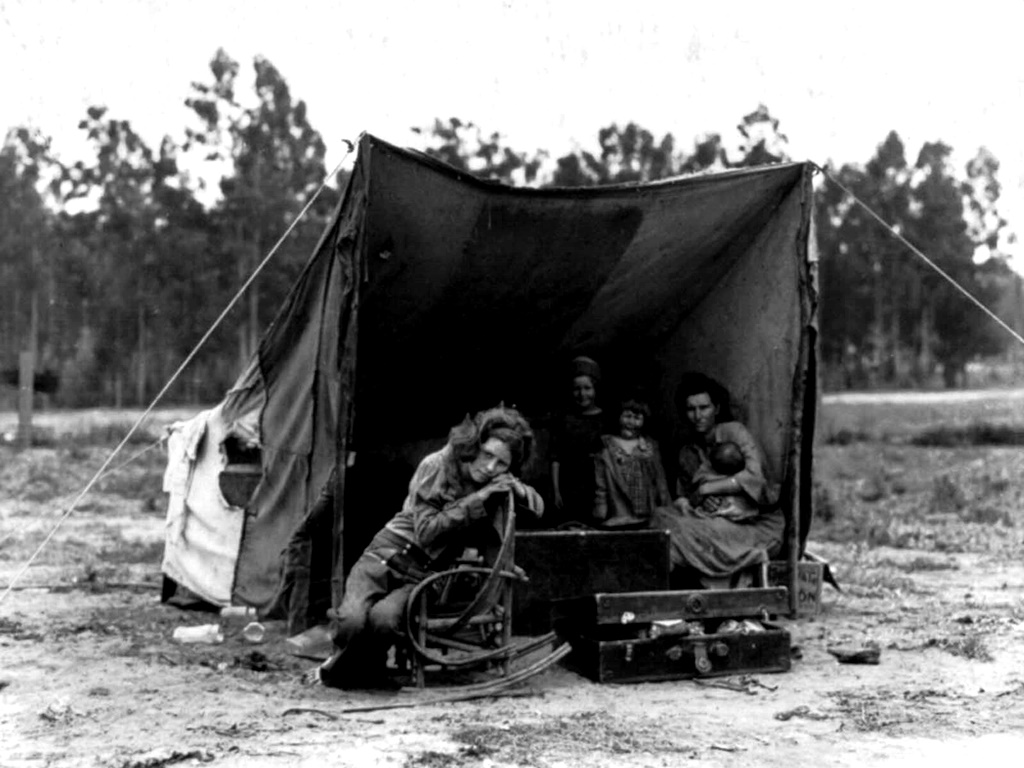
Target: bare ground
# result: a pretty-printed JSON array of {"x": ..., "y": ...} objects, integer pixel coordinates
[{"x": 926, "y": 542}]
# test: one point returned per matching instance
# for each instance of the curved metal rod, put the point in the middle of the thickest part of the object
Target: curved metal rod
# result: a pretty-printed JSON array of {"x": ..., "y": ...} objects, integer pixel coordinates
[
  {"x": 520, "y": 650},
  {"x": 486, "y": 590}
]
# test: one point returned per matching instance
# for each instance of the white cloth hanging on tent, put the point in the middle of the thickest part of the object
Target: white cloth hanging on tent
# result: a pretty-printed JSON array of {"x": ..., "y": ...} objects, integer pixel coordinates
[{"x": 202, "y": 530}]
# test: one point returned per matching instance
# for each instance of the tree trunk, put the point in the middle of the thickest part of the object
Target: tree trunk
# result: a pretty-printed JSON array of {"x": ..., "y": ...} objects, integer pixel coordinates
[
  {"x": 26, "y": 374},
  {"x": 927, "y": 354},
  {"x": 141, "y": 374},
  {"x": 954, "y": 373},
  {"x": 243, "y": 331},
  {"x": 898, "y": 372},
  {"x": 877, "y": 326},
  {"x": 7, "y": 337},
  {"x": 52, "y": 352},
  {"x": 254, "y": 306},
  {"x": 243, "y": 335},
  {"x": 33, "y": 326},
  {"x": 26, "y": 378},
  {"x": 15, "y": 319}
]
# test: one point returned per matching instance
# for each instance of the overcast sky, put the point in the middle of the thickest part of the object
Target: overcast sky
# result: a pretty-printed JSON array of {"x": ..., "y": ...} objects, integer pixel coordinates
[{"x": 546, "y": 74}]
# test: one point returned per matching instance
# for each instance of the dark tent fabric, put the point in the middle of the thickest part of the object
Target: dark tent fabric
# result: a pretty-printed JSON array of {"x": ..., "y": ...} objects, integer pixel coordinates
[{"x": 434, "y": 294}]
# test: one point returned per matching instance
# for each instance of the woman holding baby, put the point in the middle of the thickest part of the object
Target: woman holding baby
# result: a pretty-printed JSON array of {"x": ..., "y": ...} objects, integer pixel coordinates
[{"x": 726, "y": 517}]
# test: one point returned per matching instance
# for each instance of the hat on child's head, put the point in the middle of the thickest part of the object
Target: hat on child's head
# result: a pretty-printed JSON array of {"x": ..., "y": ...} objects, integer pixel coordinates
[{"x": 586, "y": 366}]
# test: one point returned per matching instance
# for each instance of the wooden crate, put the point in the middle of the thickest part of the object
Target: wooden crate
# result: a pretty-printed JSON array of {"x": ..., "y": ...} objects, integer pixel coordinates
[
  {"x": 564, "y": 564},
  {"x": 809, "y": 577},
  {"x": 615, "y": 638}
]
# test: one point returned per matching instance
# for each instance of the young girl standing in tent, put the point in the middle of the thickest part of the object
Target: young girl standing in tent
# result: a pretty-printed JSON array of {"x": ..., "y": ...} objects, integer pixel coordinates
[
  {"x": 628, "y": 474},
  {"x": 575, "y": 439}
]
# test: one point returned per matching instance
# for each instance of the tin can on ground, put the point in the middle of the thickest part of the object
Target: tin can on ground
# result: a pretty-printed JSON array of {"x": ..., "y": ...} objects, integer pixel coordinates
[{"x": 254, "y": 632}]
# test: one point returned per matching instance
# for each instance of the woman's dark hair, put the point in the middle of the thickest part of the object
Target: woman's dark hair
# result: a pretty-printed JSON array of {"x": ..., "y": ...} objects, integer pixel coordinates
[
  {"x": 695, "y": 383},
  {"x": 505, "y": 424}
]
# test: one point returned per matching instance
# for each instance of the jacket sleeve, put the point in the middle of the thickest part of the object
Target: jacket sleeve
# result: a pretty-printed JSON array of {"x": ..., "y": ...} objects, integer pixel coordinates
[
  {"x": 689, "y": 463},
  {"x": 661, "y": 495},
  {"x": 752, "y": 479},
  {"x": 435, "y": 512},
  {"x": 600, "y": 510}
]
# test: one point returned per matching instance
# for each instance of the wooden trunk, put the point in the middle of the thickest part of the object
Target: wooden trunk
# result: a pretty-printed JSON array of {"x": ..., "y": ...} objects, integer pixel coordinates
[
  {"x": 809, "y": 579},
  {"x": 561, "y": 564},
  {"x": 674, "y": 635}
]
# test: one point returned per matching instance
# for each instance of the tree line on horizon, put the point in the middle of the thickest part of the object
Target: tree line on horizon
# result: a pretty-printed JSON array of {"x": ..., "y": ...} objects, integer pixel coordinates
[{"x": 112, "y": 269}]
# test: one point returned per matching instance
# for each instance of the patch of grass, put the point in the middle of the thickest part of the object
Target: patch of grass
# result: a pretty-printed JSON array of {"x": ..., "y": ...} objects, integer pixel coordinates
[
  {"x": 971, "y": 647},
  {"x": 847, "y": 436},
  {"x": 107, "y": 434},
  {"x": 523, "y": 743},
  {"x": 133, "y": 551},
  {"x": 986, "y": 514},
  {"x": 823, "y": 502},
  {"x": 17, "y": 631},
  {"x": 920, "y": 564},
  {"x": 961, "y": 435},
  {"x": 77, "y": 453},
  {"x": 433, "y": 759},
  {"x": 905, "y": 416},
  {"x": 140, "y": 478},
  {"x": 947, "y": 497},
  {"x": 44, "y": 438},
  {"x": 43, "y": 479},
  {"x": 995, "y": 486},
  {"x": 876, "y": 710},
  {"x": 878, "y": 583},
  {"x": 9, "y": 626},
  {"x": 930, "y": 564},
  {"x": 932, "y": 499}
]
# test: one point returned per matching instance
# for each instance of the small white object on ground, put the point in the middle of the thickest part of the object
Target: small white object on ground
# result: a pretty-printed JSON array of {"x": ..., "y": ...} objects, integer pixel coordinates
[
  {"x": 205, "y": 633},
  {"x": 254, "y": 632}
]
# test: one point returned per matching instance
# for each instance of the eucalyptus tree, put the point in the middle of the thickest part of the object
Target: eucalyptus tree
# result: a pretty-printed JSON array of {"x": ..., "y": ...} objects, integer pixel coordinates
[{"x": 272, "y": 161}]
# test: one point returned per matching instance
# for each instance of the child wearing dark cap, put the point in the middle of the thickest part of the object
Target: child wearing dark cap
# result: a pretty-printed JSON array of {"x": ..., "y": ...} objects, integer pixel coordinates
[{"x": 576, "y": 437}]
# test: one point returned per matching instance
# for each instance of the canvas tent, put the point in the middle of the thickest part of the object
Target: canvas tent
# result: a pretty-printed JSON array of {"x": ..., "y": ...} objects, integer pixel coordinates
[{"x": 432, "y": 294}]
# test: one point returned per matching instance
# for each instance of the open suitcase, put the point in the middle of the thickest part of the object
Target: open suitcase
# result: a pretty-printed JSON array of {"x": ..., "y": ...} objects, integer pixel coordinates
[{"x": 631, "y": 637}]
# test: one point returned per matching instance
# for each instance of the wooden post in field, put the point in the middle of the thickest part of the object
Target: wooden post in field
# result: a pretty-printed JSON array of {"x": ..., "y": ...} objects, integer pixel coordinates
[{"x": 26, "y": 376}]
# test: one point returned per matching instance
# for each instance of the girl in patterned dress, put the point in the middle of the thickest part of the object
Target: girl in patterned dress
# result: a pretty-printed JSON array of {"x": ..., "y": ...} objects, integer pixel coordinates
[{"x": 629, "y": 477}]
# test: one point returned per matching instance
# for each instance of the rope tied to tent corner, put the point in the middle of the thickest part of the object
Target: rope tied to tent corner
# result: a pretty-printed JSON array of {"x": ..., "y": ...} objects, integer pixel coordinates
[{"x": 917, "y": 252}]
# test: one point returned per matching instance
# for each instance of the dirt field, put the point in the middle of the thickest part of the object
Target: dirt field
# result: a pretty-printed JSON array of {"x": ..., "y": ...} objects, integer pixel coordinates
[{"x": 927, "y": 542}]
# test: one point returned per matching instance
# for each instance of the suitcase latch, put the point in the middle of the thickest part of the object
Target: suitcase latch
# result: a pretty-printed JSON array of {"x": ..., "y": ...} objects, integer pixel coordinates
[{"x": 700, "y": 658}]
